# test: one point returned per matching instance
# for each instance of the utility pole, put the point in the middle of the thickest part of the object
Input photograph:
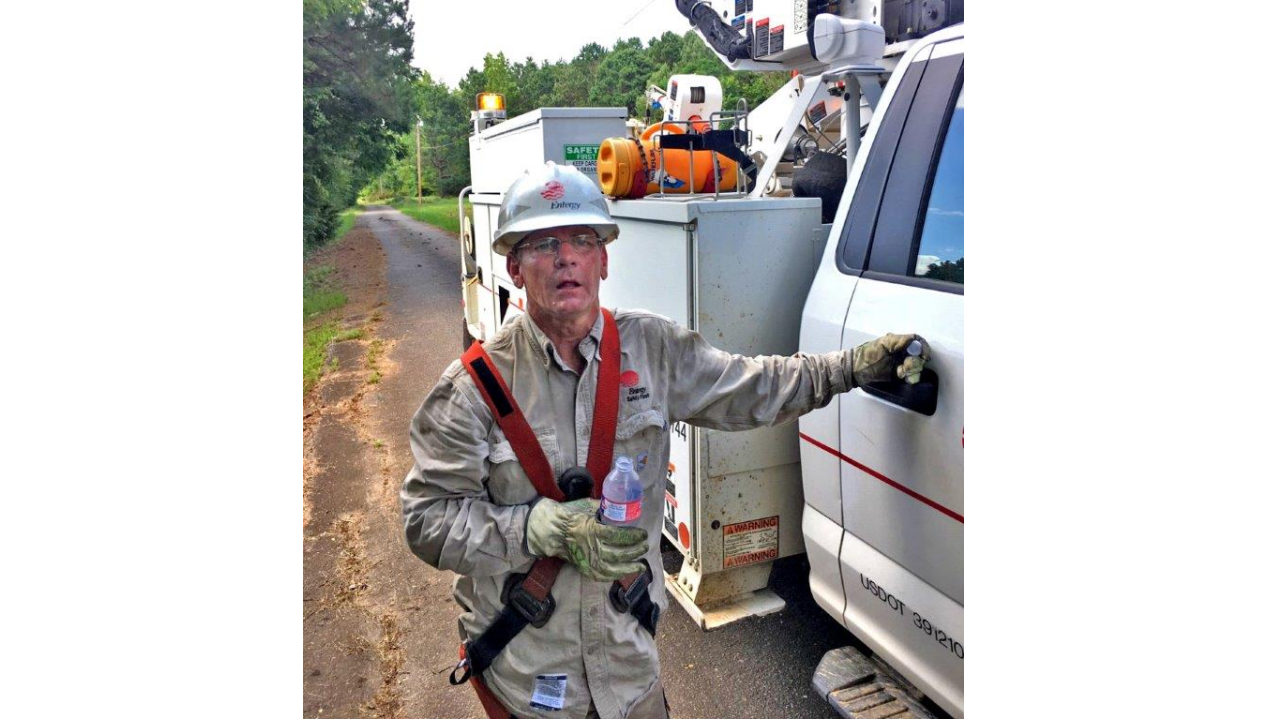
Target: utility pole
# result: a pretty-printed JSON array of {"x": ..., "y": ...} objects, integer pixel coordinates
[{"x": 417, "y": 141}]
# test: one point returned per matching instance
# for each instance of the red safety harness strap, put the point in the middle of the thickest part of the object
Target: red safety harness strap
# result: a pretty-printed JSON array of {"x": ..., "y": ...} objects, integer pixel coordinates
[
  {"x": 542, "y": 577},
  {"x": 497, "y": 396},
  {"x": 604, "y": 421},
  {"x": 528, "y": 598}
]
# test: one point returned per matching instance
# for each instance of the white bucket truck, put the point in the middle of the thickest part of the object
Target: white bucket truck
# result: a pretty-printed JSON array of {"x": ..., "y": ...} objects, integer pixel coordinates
[{"x": 872, "y": 486}]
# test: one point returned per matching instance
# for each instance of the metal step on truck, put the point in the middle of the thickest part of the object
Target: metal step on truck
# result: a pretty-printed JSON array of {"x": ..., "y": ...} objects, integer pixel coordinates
[{"x": 799, "y": 225}]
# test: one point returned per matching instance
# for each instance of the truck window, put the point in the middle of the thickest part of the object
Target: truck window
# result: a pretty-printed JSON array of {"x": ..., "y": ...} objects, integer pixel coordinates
[
  {"x": 860, "y": 222},
  {"x": 940, "y": 253},
  {"x": 884, "y": 224}
]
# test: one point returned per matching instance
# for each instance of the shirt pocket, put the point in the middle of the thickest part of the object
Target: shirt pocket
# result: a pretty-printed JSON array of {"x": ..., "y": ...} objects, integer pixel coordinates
[
  {"x": 508, "y": 484},
  {"x": 639, "y": 436},
  {"x": 637, "y": 433},
  {"x": 636, "y": 423}
]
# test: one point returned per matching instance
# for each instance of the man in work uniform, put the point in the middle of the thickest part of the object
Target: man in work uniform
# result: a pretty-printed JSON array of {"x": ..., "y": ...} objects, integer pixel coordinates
[{"x": 470, "y": 507}]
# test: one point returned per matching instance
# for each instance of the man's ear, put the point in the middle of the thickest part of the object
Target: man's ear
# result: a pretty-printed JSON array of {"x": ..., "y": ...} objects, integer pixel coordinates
[
  {"x": 513, "y": 270},
  {"x": 604, "y": 262}
]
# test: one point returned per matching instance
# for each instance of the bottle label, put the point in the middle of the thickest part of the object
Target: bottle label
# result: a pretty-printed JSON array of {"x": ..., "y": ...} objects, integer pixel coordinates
[{"x": 616, "y": 512}]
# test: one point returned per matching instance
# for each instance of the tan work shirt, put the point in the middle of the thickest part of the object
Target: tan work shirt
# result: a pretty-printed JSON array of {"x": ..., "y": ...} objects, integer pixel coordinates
[{"x": 466, "y": 500}]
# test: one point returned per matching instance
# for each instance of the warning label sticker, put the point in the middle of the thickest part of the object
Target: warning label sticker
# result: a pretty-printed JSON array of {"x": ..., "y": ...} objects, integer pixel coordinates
[
  {"x": 800, "y": 21},
  {"x": 582, "y": 157},
  {"x": 817, "y": 112},
  {"x": 750, "y": 542}
]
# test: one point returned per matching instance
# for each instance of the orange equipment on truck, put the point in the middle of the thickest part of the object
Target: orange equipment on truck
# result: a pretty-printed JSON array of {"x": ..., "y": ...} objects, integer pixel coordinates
[{"x": 634, "y": 168}]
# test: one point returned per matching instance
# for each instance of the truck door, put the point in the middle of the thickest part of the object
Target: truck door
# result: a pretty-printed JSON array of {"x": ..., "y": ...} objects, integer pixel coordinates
[{"x": 901, "y": 447}]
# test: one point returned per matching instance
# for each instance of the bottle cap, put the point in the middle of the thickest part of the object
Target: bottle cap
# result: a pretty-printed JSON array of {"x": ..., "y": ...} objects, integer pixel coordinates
[
  {"x": 623, "y": 463},
  {"x": 914, "y": 348}
]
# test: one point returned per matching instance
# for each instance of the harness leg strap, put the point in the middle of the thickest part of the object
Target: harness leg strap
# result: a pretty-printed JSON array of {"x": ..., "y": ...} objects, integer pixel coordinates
[{"x": 528, "y": 601}]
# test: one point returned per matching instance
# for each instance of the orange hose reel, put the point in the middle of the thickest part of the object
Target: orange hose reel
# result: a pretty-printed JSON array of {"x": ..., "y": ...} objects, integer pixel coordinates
[{"x": 629, "y": 168}]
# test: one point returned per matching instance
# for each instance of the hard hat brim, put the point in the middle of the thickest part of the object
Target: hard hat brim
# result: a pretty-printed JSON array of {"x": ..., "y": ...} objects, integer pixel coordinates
[{"x": 518, "y": 230}]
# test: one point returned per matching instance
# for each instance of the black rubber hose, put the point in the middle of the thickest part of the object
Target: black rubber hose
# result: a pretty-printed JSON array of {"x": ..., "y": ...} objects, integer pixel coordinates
[{"x": 722, "y": 37}]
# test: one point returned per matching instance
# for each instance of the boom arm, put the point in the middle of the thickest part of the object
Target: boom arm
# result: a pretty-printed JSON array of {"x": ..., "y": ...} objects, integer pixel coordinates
[
  {"x": 721, "y": 37},
  {"x": 781, "y": 34}
]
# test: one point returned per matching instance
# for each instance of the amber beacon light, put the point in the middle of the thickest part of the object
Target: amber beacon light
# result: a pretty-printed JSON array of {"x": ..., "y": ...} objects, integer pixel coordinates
[
  {"x": 490, "y": 101},
  {"x": 491, "y": 108}
]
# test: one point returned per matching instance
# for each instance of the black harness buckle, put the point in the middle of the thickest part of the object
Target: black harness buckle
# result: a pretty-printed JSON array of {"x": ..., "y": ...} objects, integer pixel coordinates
[
  {"x": 576, "y": 483},
  {"x": 623, "y": 599},
  {"x": 650, "y": 620},
  {"x": 537, "y": 612}
]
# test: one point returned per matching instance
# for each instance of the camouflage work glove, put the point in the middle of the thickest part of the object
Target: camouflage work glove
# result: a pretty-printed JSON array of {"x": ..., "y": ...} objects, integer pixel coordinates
[
  {"x": 886, "y": 358},
  {"x": 570, "y": 531}
]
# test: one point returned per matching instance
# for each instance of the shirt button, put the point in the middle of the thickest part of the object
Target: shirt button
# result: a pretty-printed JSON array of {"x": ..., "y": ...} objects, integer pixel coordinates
[{"x": 593, "y": 612}]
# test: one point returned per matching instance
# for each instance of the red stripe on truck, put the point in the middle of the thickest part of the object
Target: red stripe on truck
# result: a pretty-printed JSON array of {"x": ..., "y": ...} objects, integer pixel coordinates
[{"x": 898, "y": 486}]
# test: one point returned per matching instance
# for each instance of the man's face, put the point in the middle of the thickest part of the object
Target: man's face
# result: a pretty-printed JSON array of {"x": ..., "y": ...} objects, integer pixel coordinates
[{"x": 565, "y": 284}]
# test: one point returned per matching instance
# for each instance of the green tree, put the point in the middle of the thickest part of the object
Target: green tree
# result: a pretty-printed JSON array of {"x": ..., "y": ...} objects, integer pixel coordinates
[
  {"x": 665, "y": 50},
  {"x": 446, "y": 124},
  {"x": 445, "y": 127},
  {"x": 620, "y": 78},
  {"x": 536, "y": 83},
  {"x": 590, "y": 54},
  {"x": 596, "y": 76},
  {"x": 357, "y": 97},
  {"x": 571, "y": 82},
  {"x": 631, "y": 42},
  {"x": 499, "y": 78},
  {"x": 947, "y": 270}
]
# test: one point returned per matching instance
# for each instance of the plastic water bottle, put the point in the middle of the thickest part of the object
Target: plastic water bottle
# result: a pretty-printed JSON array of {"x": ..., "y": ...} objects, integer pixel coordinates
[{"x": 622, "y": 495}]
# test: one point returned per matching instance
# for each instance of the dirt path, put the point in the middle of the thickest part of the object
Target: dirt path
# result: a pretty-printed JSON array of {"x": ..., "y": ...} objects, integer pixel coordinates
[{"x": 378, "y": 624}]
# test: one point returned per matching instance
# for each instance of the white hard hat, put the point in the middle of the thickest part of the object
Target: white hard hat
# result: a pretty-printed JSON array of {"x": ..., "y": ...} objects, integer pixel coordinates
[{"x": 548, "y": 197}]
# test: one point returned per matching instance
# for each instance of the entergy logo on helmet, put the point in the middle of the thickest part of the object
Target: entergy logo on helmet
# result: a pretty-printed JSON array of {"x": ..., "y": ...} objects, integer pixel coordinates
[{"x": 553, "y": 190}]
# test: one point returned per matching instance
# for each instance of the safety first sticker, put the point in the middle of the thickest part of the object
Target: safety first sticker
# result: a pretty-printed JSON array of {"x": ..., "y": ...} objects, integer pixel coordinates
[
  {"x": 750, "y": 542},
  {"x": 582, "y": 157}
]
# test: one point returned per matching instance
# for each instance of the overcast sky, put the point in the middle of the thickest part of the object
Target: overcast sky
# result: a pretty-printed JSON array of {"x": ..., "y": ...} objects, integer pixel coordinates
[{"x": 451, "y": 37}]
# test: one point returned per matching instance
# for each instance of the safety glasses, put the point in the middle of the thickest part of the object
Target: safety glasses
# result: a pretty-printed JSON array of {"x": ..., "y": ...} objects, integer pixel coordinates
[{"x": 583, "y": 244}]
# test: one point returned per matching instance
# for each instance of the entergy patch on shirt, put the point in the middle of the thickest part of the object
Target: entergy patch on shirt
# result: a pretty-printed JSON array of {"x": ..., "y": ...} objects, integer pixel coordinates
[{"x": 548, "y": 692}]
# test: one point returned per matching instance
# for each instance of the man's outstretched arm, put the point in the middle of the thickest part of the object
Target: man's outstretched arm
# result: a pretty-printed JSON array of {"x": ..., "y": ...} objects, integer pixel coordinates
[{"x": 715, "y": 389}]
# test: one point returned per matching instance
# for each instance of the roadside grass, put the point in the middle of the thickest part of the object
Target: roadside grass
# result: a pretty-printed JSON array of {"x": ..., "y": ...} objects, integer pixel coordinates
[
  {"x": 438, "y": 211},
  {"x": 315, "y": 350},
  {"x": 346, "y": 220},
  {"x": 374, "y": 353},
  {"x": 319, "y": 296},
  {"x": 315, "y": 343},
  {"x": 318, "y": 293}
]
